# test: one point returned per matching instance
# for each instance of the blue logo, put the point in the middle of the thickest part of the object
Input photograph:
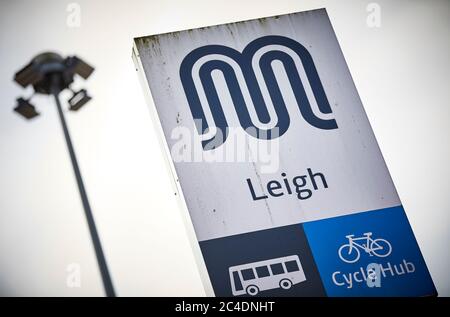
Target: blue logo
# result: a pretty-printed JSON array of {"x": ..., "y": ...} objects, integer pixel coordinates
[
  {"x": 372, "y": 253},
  {"x": 246, "y": 74}
]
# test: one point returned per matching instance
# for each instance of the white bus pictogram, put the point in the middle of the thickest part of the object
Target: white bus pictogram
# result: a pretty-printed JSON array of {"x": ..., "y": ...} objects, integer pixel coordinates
[{"x": 255, "y": 277}]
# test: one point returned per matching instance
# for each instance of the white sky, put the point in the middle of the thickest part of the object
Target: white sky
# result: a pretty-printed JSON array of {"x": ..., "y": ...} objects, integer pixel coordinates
[{"x": 401, "y": 71}]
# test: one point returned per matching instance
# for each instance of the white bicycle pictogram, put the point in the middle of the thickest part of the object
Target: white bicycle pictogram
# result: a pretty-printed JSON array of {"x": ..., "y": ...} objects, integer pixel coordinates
[{"x": 350, "y": 252}]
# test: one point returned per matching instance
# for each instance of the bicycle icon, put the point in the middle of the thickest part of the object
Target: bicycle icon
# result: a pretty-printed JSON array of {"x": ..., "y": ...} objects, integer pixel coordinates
[{"x": 350, "y": 252}]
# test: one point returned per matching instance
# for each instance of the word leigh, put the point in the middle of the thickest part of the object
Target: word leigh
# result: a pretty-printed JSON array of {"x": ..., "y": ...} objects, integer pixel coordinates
[{"x": 301, "y": 184}]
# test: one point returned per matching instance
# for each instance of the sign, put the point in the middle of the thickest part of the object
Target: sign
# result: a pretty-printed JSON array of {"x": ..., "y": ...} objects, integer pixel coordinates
[{"x": 279, "y": 174}]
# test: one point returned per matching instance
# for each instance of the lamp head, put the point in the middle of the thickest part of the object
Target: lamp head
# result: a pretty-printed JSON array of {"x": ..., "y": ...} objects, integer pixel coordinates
[
  {"x": 78, "y": 100},
  {"x": 49, "y": 72},
  {"x": 25, "y": 109}
]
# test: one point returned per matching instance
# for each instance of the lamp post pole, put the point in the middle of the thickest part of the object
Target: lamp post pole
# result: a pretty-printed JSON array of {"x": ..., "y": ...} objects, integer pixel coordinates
[
  {"x": 107, "y": 282},
  {"x": 50, "y": 74}
]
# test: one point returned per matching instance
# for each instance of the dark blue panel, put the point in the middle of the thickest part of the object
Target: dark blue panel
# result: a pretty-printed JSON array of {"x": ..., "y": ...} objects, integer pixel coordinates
[{"x": 223, "y": 253}]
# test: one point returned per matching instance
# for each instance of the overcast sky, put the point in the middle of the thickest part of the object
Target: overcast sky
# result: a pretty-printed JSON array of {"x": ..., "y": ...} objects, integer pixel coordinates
[{"x": 400, "y": 69}]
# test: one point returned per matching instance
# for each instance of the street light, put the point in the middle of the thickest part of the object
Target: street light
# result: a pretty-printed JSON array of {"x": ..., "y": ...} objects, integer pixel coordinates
[{"x": 48, "y": 73}]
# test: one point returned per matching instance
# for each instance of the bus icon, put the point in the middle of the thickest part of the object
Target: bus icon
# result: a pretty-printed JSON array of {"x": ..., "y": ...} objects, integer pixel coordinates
[{"x": 252, "y": 278}]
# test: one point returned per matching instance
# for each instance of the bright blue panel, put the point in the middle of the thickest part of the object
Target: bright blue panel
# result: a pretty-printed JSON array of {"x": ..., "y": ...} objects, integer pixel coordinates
[{"x": 399, "y": 265}]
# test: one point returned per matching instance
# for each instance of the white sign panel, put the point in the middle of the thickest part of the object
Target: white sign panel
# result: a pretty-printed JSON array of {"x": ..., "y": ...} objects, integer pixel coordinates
[{"x": 276, "y": 162}]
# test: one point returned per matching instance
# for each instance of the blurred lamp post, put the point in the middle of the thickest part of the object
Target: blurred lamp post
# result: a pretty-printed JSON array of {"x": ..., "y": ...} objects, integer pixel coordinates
[{"x": 50, "y": 74}]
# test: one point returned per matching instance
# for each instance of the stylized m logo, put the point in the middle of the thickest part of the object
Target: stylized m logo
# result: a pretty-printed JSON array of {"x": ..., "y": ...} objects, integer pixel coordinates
[{"x": 250, "y": 79}]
